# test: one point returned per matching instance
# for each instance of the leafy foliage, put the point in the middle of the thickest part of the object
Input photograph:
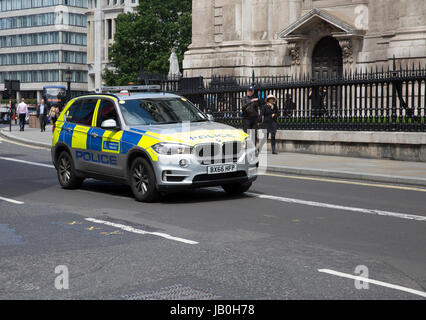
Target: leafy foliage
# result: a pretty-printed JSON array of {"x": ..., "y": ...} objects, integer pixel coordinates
[{"x": 144, "y": 39}]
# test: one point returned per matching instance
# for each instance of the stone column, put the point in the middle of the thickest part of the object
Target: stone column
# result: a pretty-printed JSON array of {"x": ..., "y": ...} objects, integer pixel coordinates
[
  {"x": 202, "y": 22},
  {"x": 98, "y": 46},
  {"x": 39, "y": 96},
  {"x": 247, "y": 20},
  {"x": 113, "y": 27}
]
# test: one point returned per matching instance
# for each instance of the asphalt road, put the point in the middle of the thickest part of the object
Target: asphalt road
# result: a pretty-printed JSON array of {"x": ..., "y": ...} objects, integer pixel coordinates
[{"x": 204, "y": 244}]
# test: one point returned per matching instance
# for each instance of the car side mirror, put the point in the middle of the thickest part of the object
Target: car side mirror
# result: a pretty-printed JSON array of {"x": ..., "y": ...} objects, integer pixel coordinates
[
  {"x": 109, "y": 124},
  {"x": 210, "y": 117}
]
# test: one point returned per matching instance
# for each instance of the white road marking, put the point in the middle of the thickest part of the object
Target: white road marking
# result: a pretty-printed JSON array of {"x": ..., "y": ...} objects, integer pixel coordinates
[
  {"x": 138, "y": 231},
  {"x": 283, "y": 199},
  {"x": 339, "y": 207},
  {"x": 28, "y": 162},
  {"x": 11, "y": 200},
  {"x": 367, "y": 184},
  {"x": 379, "y": 283}
]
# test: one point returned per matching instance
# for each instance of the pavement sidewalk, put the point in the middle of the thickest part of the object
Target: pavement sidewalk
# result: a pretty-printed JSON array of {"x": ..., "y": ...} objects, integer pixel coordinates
[
  {"x": 385, "y": 171},
  {"x": 30, "y": 136}
]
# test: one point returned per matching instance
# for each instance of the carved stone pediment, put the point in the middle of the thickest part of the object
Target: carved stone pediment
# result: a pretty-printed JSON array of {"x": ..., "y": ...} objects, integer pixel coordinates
[{"x": 304, "y": 33}]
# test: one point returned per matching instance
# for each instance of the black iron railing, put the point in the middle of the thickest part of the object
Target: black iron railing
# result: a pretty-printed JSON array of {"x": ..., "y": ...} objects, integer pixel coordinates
[{"x": 389, "y": 99}]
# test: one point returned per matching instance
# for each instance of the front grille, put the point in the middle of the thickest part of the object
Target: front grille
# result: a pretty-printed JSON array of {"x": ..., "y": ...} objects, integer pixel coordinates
[
  {"x": 219, "y": 176},
  {"x": 215, "y": 153}
]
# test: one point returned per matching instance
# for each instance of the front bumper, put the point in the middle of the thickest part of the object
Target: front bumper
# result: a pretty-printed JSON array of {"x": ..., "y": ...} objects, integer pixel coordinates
[{"x": 172, "y": 176}]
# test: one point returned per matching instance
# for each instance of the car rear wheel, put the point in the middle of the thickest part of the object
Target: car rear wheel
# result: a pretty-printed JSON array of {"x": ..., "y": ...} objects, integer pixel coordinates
[
  {"x": 237, "y": 188},
  {"x": 67, "y": 176},
  {"x": 142, "y": 181}
]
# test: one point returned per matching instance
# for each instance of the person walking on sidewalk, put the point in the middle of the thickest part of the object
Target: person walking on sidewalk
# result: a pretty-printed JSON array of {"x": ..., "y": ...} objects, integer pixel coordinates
[
  {"x": 41, "y": 115},
  {"x": 54, "y": 114},
  {"x": 22, "y": 112},
  {"x": 270, "y": 114}
]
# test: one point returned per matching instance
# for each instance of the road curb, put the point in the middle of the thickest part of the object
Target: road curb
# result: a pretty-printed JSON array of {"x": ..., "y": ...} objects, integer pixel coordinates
[
  {"x": 8, "y": 136},
  {"x": 283, "y": 169},
  {"x": 347, "y": 175}
]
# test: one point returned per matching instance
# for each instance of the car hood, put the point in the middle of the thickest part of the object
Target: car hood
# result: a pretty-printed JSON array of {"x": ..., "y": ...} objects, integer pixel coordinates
[{"x": 192, "y": 133}]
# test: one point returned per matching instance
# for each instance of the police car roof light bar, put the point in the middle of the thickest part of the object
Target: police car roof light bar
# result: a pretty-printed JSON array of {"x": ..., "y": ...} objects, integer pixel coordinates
[{"x": 147, "y": 88}]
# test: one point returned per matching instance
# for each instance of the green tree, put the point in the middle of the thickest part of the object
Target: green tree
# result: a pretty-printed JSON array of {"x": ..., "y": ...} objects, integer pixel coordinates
[{"x": 144, "y": 39}]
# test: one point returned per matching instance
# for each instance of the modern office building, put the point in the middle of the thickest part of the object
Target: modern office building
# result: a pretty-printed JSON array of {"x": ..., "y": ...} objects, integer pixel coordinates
[
  {"x": 40, "y": 40},
  {"x": 101, "y": 29}
]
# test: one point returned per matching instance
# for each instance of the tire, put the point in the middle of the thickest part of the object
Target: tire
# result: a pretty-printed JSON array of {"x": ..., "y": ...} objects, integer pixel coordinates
[
  {"x": 142, "y": 181},
  {"x": 237, "y": 188},
  {"x": 67, "y": 176}
]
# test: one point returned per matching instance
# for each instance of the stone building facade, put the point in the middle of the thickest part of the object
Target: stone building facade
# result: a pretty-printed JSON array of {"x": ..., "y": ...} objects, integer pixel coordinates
[
  {"x": 101, "y": 26},
  {"x": 281, "y": 37}
]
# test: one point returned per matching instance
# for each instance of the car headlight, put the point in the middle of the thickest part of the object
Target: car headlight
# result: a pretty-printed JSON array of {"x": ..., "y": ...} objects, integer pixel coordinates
[{"x": 168, "y": 148}]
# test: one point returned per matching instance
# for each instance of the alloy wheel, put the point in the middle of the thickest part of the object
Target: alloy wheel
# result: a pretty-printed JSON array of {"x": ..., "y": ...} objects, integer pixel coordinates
[
  {"x": 65, "y": 169},
  {"x": 140, "y": 178}
]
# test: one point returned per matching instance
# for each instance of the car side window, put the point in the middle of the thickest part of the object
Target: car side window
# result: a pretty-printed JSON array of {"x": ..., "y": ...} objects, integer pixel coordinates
[
  {"x": 81, "y": 112},
  {"x": 87, "y": 109},
  {"x": 72, "y": 113},
  {"x": 107, "y": 111}
]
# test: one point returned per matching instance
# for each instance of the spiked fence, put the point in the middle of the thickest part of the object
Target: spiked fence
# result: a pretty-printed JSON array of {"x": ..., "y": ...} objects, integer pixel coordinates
[{"x": 391, "y": 99}]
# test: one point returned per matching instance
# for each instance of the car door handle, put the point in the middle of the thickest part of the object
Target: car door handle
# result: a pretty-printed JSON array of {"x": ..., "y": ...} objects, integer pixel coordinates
[
  {"x": 68, "y": 129},
  {"x": 94, "y": 135}
]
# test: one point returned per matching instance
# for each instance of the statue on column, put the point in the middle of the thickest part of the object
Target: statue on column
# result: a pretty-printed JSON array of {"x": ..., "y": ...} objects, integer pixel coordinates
[{"x": 174, "y": 71}]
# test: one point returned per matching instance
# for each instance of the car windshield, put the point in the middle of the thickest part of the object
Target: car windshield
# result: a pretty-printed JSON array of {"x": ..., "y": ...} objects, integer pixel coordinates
[{"x": 159, "y": 111}]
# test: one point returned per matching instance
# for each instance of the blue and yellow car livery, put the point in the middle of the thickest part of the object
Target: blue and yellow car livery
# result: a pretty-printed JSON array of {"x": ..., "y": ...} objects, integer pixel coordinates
[{"x": 178, "y": 155}]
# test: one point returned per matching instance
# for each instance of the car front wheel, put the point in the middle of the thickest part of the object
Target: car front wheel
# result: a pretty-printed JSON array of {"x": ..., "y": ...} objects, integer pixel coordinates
[
  {"x": 142, "y": 181},
  {"x": 67, "y": 176}
]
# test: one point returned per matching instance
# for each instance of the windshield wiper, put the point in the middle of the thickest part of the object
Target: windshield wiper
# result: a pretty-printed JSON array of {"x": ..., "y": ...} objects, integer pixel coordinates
[
  {"x": 170, "y": 122},
  {"x": 201, "y": 120}
]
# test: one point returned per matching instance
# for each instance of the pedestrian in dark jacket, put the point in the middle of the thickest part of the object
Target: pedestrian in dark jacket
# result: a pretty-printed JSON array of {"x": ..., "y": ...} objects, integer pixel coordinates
[
  {"x": 318, "y": 97},
  {"x": 41, "y": 115},
  {"x": 289, "y": 106},
  {"x": 250, "y": 108},
  {"x": 270, "y": 115}
]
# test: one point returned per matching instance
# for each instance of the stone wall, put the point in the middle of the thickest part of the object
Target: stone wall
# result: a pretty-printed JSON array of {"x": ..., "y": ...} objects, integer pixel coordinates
[
  {"x": 376, "y": 145},
  {"x": 233, "y": 37}
]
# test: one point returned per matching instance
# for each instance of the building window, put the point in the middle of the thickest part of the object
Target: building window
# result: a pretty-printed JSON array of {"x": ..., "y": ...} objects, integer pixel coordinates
[
  {"x": 44, "y": 19},
  {"x": 42, "y": 76},
  {"x": 40, "y": 57},
  {"x": 109, "y": 22},
  {"x": 74, "y": 38},
  {"x": 31, "y": 39}
]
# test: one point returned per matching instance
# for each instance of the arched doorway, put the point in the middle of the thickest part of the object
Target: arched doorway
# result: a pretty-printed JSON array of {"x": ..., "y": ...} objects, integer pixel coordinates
[{"x": 327, "y": 59}]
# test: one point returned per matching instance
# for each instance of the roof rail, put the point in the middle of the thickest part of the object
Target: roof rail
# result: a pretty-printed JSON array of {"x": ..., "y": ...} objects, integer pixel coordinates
[
  {"x": 147, "y": 88},
  {"x": 97, "y": 94}
]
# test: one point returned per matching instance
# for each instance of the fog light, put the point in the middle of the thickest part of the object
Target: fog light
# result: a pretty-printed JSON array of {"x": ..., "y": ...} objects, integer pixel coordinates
[{"x": 183, "y": 163}]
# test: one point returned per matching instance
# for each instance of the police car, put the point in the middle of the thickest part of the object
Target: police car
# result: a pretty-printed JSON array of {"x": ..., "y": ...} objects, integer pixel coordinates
[{"x": 155, "y": 142}]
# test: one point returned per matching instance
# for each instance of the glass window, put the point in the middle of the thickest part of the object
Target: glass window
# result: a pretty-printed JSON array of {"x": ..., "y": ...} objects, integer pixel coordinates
[
  {"x": 160, "y": 111},
  {"x": 106, "y": 111},
  {"x": 81, "y": 112}
]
